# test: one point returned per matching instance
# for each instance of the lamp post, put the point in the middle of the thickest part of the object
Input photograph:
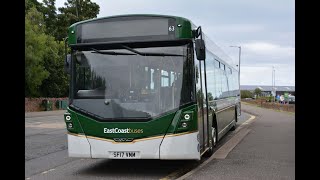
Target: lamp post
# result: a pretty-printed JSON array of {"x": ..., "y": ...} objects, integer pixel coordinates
[
  {"x": 273, "y": 91},
  {"x": 239, "y": 62},
  {"x": 274, "y": 83}
]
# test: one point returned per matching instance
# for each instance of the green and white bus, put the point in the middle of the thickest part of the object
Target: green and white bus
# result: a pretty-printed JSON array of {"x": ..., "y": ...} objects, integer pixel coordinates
[{"x": 147, "y": 87}]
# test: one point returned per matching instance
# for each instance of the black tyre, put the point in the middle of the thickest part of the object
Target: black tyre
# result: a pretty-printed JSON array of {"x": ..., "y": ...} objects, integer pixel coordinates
[
  {"x": 236, "y": 120},
  {"x": 234, "y": 127},
  {"x": 213, "y": 139}
]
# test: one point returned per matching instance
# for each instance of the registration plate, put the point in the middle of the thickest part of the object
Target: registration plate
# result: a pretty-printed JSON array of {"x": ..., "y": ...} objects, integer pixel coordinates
[{"x": 124, "y": 154}]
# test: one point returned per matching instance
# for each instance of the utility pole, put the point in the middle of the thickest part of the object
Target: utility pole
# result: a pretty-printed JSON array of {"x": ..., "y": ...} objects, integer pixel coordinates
[
  {"x": 239, "y": 62},
  {"x": 272, "y": 92},
  {"x": 273, "y": 82}
]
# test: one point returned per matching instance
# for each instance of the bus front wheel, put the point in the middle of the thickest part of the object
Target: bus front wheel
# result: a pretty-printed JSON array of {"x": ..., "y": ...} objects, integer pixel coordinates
[{"x": 213, "y": 143}]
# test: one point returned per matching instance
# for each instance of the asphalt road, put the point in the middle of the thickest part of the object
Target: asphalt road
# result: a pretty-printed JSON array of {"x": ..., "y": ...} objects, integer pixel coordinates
[{"x": 46, "y": 155}]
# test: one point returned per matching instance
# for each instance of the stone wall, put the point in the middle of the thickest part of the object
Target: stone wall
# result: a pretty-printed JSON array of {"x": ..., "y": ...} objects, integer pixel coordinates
[{"x": 35, "y": 104}]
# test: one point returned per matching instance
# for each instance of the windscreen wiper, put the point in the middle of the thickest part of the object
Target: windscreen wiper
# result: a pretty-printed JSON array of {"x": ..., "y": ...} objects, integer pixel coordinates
[
  {"x": 149, "y": 53},
  {"x": 111, "y": 52}
]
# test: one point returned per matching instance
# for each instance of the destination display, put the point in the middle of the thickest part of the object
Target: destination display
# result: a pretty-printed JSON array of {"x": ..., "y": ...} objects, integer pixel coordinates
[{"x": 102, "y": 30}]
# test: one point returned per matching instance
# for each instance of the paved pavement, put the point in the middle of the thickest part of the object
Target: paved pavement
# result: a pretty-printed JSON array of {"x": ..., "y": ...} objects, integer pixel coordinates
[{"x": 267, "y": 152}]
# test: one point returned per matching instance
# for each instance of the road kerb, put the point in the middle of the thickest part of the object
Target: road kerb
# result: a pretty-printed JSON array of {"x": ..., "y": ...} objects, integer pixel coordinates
[{"x": 241, "y": 129}]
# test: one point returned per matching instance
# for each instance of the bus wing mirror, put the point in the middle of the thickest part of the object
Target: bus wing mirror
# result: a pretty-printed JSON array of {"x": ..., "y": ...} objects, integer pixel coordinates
[
  {"x": 200, "y": 49},
  {"x": 67, "y": 63}
]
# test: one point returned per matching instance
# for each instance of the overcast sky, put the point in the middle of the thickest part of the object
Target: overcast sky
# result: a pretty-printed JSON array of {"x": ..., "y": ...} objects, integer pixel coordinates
[{"x": 265, "y": 30}]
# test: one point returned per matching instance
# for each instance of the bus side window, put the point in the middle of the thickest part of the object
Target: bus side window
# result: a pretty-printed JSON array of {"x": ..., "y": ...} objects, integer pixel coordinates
[
  {"x": 151, "y": 79},
  {"x": 216, "y": 64},
  {"x": 164, "y": 78}
]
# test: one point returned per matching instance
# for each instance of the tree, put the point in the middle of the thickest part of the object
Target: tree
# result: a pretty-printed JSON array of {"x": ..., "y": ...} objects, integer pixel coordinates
[
  {"x": 210, "y": 97},
  {"x": 74, "y": 11},
  {"x": 246, "y": 94},
  {"x": 44, "y": 59},
  {"x": 50, "y": 16},
  {"x": 200, "y": 97},
  {"x": 35, "y": 39},
  {"x": 56, "y": 85},
  {"x": 49, "y": 13},
  {"x": 44, "y": 50},
  {"x": 28, "y": 4},
  {"x": 257, "y": 91}
]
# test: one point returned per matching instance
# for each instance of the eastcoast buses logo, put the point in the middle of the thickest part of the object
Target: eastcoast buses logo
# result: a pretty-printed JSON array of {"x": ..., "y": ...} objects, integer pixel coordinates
[{"x": 122, "y": 131}]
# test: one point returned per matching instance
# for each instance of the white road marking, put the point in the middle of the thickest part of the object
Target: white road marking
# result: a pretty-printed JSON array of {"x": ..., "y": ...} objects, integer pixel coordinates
[
  {"x": 55, "y": 125},
  {"x": 249, "y": 121},
  {"x": 45, "y": 172}
]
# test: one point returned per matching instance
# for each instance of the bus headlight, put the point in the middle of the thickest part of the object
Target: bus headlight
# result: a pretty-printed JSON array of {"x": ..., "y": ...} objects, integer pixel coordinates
[
  {"x": 68, "y": 117},
  {"x": 186, "y": 116}
]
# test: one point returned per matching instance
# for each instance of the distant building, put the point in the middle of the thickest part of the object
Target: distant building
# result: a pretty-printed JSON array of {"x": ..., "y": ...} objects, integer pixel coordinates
[{"x": 266, "y": 90}]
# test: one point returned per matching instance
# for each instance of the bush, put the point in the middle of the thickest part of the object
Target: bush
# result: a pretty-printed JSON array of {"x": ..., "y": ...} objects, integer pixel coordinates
[{"x": 246, "y": 94}]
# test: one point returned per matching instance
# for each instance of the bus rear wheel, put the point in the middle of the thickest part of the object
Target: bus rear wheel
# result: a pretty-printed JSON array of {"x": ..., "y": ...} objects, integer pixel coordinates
[{"x": 235, "y": 120}]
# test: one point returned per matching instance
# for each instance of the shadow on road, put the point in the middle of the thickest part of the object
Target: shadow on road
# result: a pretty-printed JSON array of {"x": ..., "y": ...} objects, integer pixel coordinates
[{"x": 138, "y": 168}]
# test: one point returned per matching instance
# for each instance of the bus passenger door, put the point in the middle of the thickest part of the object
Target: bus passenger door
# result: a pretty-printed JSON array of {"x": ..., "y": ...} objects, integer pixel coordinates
[{"x": 202, "y": 105}]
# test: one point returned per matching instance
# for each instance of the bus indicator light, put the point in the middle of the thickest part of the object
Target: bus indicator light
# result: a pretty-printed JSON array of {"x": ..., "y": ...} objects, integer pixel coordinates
[
  {"x": 184, "y": 124},
  {"x": 70, "y": 125},
  {"x": 187, "y": 117}
]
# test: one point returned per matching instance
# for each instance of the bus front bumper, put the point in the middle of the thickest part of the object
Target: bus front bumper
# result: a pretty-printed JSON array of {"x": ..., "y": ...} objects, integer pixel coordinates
[{"x": 173, "y": 146}]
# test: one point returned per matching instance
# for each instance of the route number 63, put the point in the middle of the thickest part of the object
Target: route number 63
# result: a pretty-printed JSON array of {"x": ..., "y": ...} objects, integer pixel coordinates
[{"x": 171, "y": 28}]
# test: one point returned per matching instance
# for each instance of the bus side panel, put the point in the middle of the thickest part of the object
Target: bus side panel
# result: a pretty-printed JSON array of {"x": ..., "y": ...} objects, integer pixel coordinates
[
  {"x": 226, "y": 118},
  {"x": 222, "y": 119},
  {"x": 184, "y": 146},
  {"x": 78, "y": 146}
]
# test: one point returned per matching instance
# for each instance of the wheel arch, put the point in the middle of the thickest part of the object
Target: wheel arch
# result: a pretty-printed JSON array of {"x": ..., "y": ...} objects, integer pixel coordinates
[{"x": 236, "y": 113}]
